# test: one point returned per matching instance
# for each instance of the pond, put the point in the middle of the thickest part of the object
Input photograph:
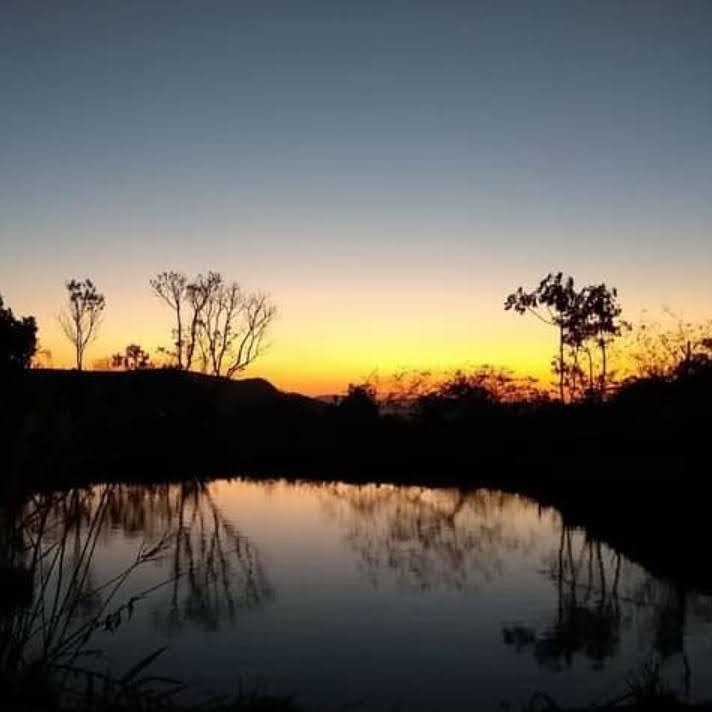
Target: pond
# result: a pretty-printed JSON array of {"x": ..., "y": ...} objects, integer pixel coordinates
[{"x": 363, "y": 597}]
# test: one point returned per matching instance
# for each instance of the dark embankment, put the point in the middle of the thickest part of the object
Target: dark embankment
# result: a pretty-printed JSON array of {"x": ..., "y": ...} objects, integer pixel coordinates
[
  {"x": 633, "y": 470},
  {"x": 66, "y": 427}
]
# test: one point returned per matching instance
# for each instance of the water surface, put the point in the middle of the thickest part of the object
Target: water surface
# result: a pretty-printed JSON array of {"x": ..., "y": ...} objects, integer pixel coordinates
[{"x": 366, "y": 597}]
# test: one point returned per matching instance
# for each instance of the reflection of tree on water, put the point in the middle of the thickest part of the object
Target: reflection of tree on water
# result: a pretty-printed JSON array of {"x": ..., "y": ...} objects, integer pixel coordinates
[
  {"x": 669, "y": 608},
  {"x": 47, "y": 547},
  {"x": 430, "y": 539},
  {"x": 215, "y": 570},
  {"x": 588, "y": 617},
  {"x": 51, "y": 601},
  {"x": 592, "y": 611}
]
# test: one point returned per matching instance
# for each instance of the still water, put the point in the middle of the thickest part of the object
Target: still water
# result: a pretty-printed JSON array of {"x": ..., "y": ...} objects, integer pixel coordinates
[{"x": 368, "y": 597}]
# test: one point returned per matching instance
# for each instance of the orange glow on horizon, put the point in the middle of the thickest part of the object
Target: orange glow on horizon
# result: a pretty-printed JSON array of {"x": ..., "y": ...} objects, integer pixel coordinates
[
  {"x": 328, "y": 360},
  {"x": 329, "y": 336}
]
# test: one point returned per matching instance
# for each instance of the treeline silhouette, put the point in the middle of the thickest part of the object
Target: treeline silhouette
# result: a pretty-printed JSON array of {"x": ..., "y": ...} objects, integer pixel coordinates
[{"x": 218, "y": 327}]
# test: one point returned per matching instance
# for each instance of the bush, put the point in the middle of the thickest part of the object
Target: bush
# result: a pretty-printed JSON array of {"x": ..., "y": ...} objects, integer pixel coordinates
[{"x": 18, "y": 340}]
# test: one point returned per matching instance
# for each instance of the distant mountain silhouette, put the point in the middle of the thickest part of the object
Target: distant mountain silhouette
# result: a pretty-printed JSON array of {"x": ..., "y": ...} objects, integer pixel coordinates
[{"x": 159, "y": 387}]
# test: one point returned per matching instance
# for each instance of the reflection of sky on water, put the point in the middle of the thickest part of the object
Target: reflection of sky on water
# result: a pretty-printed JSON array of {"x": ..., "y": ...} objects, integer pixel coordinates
[{"x": 341, "y": 593}]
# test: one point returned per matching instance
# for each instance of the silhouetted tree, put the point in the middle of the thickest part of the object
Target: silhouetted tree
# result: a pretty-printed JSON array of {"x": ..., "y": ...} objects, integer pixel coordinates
[
  {"x": 234, "y": 327},
  {"x": 171, "y": 287},
  {"x": 199, "y": 293},
  {"x": 590, "y": 316},
  {"x": 553, "y": 302},
  {"x": 601, "y": 323},
  {"x": 360, "y": 403},
  {"x": 188, "y": 301},
  {"x": 134, "y": 358},
  {"x": 461, "y": 396},
  {"x": 81, "y": 319},
  {"x": 402, "y": 390},
  {"x": 663, "y": 352},
  {"x": 406, "y": 392},
  {"x": 216, "y": 321},
  {"x": 18, "y": 340}
]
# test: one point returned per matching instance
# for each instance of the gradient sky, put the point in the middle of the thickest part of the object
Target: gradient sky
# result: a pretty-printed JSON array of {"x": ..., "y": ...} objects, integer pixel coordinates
[{"x": 389, "y": 171}]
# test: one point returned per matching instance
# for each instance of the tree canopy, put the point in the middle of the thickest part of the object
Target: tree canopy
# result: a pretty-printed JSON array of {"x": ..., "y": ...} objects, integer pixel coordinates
[{"x": 18, "y": 340}]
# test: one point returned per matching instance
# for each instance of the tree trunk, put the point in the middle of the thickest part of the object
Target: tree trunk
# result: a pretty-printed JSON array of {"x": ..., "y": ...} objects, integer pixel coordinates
[
  {"x": 179, "y": 342},
  {"x": 561, "y": 363},
  {"x": 603, "y": 368}
]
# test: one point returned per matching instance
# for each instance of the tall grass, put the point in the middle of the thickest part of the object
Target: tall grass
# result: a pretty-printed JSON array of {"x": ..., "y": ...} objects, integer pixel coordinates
[{"x": 51, "y": 607}]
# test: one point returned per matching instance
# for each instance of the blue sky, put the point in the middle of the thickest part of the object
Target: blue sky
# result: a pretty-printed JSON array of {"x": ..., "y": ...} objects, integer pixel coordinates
[{"x": 379, "y": 156}]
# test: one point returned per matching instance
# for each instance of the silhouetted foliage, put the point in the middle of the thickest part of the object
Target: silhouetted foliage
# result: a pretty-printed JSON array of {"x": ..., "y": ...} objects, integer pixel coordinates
[
  {"x": 554, "y": 302},
  {"x": 18, "y": 340},
  {"x": 590, "y": 316},
  {"x": 461, "y": 397},
  {"x": 82, "y": 317},
  {"x": 485, "y": 392},
  {"x": 360, "y": 404},
  {"x": 171, "y": 287},
  {"x": 134, "y": 358},
  {"x": 659, "y": 351},
  {"x": 601, "y": 324},
  {"x": 406, "y": 393}
]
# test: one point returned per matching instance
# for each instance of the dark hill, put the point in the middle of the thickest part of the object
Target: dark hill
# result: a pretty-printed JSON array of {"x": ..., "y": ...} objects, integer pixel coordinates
[
  {"x": 154, "y": 424},
  {"x": 155, "y": 391}
]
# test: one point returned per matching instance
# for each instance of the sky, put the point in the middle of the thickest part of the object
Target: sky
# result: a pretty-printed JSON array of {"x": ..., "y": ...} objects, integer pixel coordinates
[{"x": 388, "y": 171}]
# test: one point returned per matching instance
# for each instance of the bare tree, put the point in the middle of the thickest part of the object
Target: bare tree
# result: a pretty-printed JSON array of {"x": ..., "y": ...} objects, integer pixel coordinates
[
  {"x": 188, "y": 301},
  {"x": 216, "y": 322},
  {"x": 199, "y": 293},
  {"x": 235, "y": 324},
  {"x": 171, "y": 287},
  {"x": 82, "y": 317}
]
